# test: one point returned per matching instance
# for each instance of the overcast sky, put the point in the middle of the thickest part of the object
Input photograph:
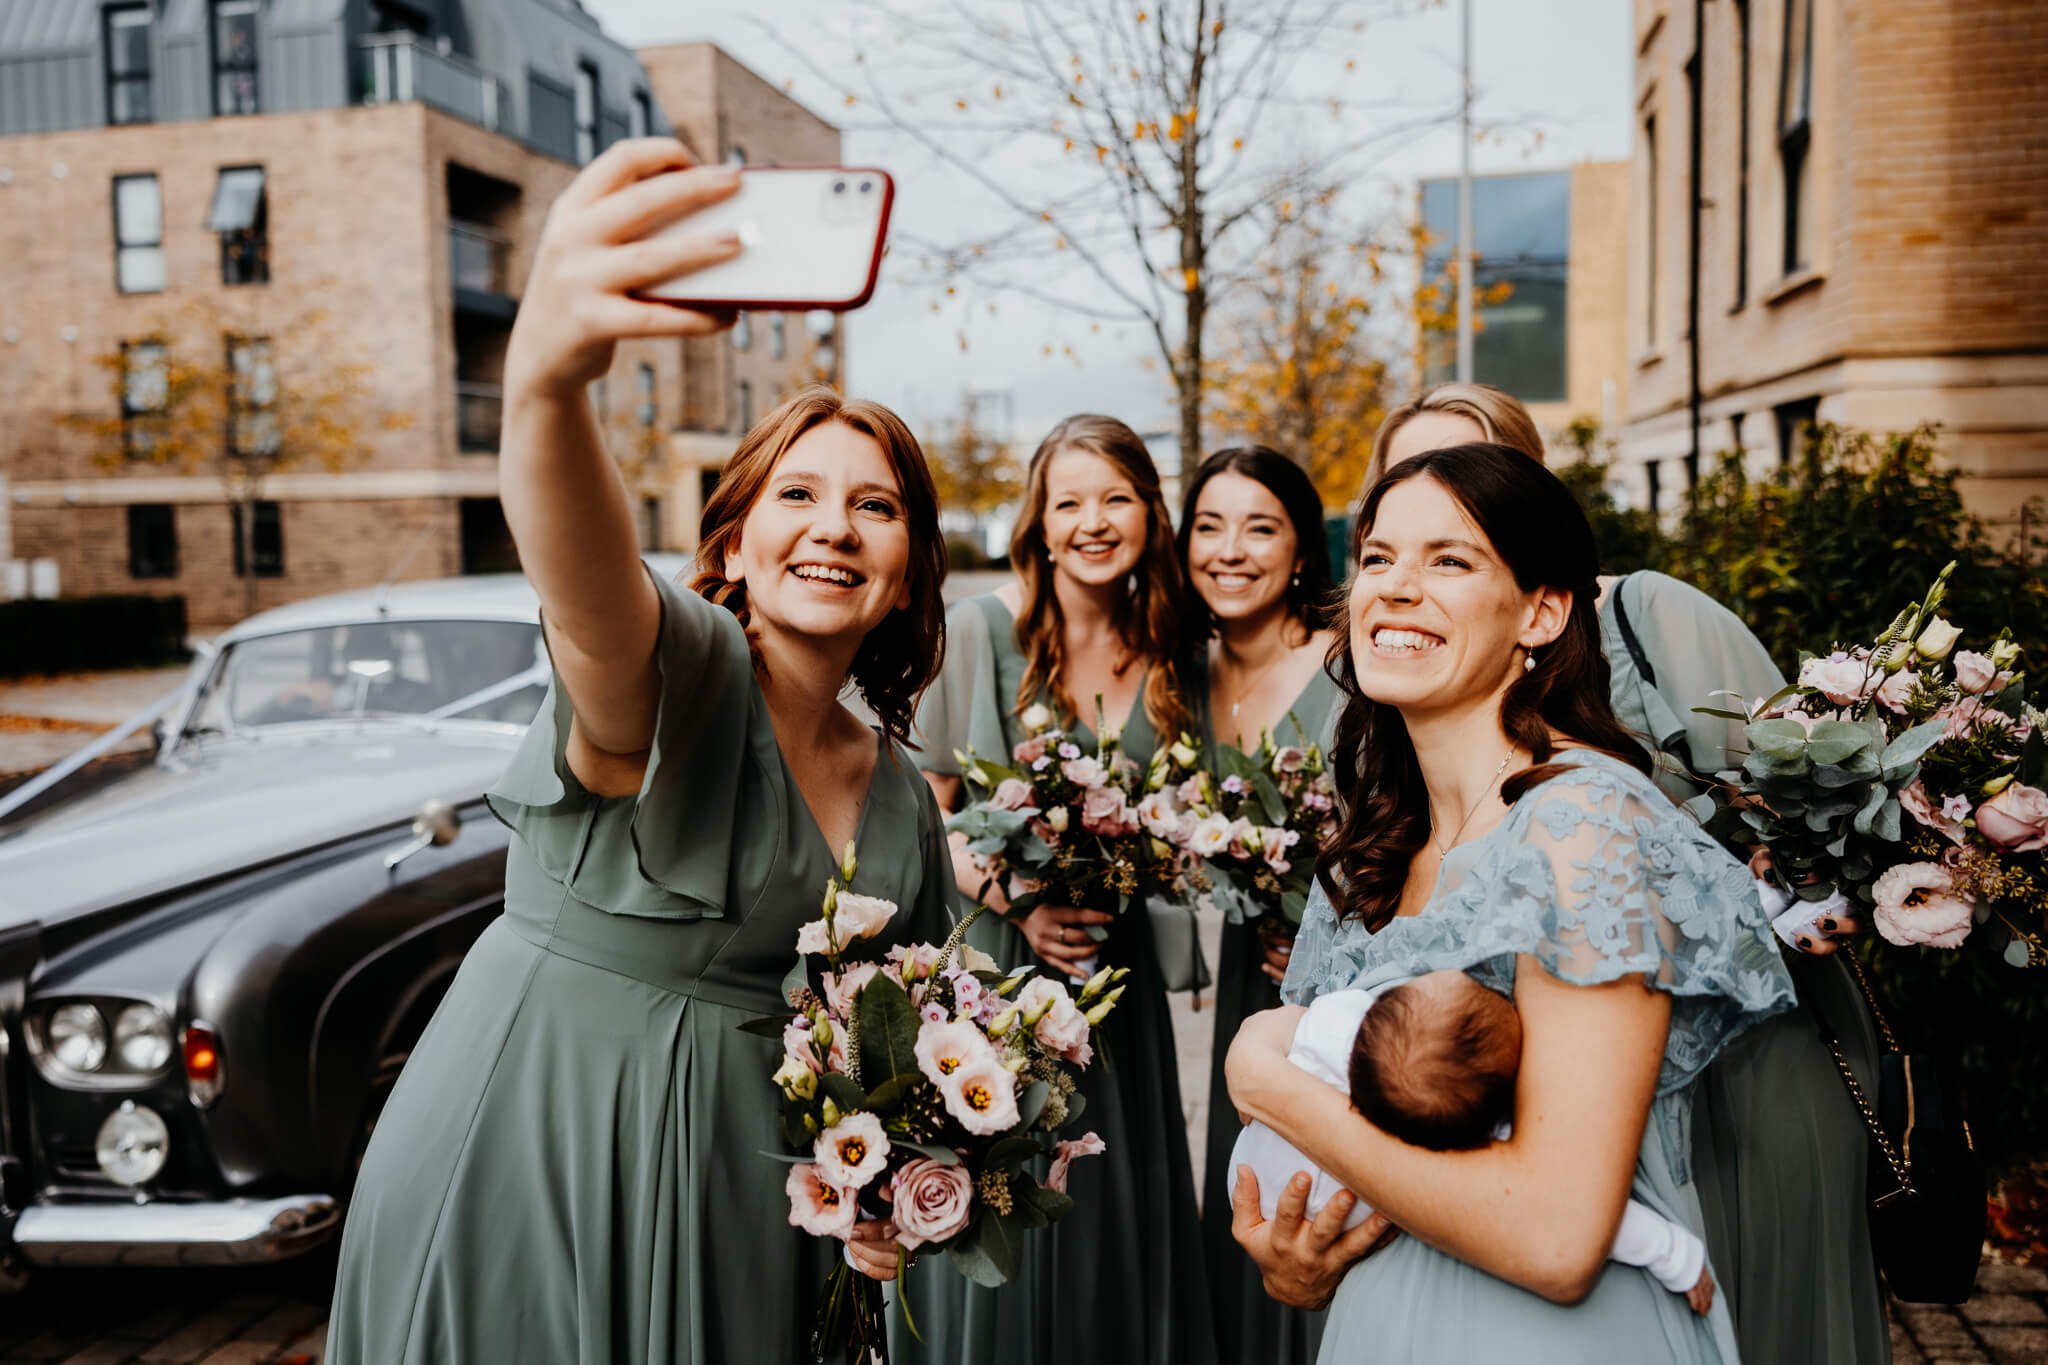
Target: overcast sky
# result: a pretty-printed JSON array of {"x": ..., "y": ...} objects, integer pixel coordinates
[{"x": 1557, "y": 72}]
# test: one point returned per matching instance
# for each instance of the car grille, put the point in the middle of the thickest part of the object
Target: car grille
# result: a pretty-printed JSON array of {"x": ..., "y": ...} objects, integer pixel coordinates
[{"x": 74, "y": 1163}]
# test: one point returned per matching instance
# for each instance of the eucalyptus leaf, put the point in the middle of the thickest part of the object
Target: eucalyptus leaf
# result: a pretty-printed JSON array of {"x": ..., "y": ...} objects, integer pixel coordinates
[
  {"x": 788, "y": 1158},
  {"x": 1780, "y": 737},
  {"x": 2016, "y": 953},
  {"x": 1054, "y": 1204},
  {"x": 945, "y": 1156},
  {"x": 1031, "y": 1103},
  {"x": 1909, "y": 747},
  {"x": 1833, "y": 741}
]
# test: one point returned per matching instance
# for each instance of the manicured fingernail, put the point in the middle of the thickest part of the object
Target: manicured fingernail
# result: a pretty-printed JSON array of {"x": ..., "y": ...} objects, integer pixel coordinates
[
  {"x": 1828, "y": 924},
  {"x": 1300, "y": 1181},
  {"x": 729, "y": 240},
  {"x": 1805, "y": 943},
  {"x": 725, "y": 174}
]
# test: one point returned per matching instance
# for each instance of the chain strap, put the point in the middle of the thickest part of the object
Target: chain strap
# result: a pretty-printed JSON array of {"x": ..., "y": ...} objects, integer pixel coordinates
[
  {"x": 1891, "y": 1044},
  {"x": 1901, "y": 1163}
]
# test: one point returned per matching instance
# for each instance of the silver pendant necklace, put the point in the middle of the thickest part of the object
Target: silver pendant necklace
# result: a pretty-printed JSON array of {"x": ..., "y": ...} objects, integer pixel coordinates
[{"x": 1443, "y": 850}]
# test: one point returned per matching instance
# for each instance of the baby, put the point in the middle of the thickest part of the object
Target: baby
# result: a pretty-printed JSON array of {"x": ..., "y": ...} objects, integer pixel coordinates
[{"x": 1433, "y": 1061}]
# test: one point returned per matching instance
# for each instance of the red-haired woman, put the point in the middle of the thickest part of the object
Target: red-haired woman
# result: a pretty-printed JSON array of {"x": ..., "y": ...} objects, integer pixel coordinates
[
  {"x": 570, "y": 1168},
  {"x": 1093, "y": 613}
]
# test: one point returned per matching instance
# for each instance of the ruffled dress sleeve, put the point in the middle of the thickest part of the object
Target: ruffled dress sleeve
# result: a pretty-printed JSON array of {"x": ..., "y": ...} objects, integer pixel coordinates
[
  {"x": 964, "y": 709},
  {"x": 1308, "y": 966},
  {"x": 1599, "y": 877},
  {"x": 668, "y": 851}
]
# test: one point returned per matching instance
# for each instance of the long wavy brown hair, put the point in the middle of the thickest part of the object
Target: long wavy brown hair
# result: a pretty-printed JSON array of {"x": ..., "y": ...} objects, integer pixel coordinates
[
  {"x": 1147, "y": 619},
  {"x": 1534, "y": 524},
  {"x": 900, "y": 657}
]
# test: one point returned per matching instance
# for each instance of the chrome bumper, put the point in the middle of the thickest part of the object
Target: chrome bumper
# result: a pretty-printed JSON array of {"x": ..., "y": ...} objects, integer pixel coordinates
[{"x": 233, "y": 1232}]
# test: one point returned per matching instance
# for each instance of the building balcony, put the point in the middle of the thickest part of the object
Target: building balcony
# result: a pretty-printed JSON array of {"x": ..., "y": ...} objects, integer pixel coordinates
[
  {"x": 479, "y": 259},
  {"x": 400, "y": 67},
  {"x": 478, "y": 410}
]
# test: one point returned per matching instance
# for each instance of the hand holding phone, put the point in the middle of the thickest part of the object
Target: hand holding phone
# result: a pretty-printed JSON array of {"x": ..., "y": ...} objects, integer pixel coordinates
[{"x": 810, "y": 237}]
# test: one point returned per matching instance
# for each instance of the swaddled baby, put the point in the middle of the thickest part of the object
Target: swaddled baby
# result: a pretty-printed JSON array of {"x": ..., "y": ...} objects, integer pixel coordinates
[{"x": 1433, "y": 1061}]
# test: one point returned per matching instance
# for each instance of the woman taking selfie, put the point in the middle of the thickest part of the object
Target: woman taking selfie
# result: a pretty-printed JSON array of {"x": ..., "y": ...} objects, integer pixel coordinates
[
  {"x": 1092, "y": 613},
  {"x": 1774, "y": 1125},
  {"x": 1258, "y": 573},
  {"x": 1501, "y": 823},
  {"x": 571, "y": 1167}
]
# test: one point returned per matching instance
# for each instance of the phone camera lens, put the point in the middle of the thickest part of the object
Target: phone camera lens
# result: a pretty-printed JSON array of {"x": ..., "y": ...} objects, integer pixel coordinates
[
  {"x": 867, "y": 187},
  {"x": 839, "y": 187}
]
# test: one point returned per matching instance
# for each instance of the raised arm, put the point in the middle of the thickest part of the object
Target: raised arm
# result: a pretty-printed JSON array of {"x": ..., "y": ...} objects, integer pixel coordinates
[{"x": 564, "y": 499}]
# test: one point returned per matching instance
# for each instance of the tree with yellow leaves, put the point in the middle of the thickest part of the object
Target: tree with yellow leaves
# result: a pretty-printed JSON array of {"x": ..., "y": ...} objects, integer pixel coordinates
[
  {"x": 974, "y": 469},
  {"x": 1174, "y": 127},
  {"x": 235, "y": 388},
  {"x": 1298, "y": 370}
]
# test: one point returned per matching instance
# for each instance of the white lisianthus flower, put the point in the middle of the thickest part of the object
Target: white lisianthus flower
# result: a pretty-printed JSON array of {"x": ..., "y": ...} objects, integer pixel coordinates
[
  {"x": 983, "y": 1097},
  {"x": 852, "y": 1151},
  {"x": 814, "y": 937},
  {"x": 1937, "y": 639},
  {"x": 1209, "y": 836},
  {"x": 1058, "y": 818},
  {"x": 798, "y": 1081},
  {"x": 862, "y": 916},
  {"x": 1183, "y": 754},
  {"x": 945, "y": 1048},
  {"x": 1036, "y": 717},
  {"x": 1159, "y": 815}
]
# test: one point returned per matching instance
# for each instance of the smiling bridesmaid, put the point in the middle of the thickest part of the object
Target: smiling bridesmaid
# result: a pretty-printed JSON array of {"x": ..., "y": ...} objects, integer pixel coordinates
[
  {"x": 1258, "y": 572},
  {"x": 1093, "y": 612}
]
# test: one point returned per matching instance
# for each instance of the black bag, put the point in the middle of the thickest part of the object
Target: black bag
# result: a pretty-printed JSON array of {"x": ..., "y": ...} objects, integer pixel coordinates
[{"x": 1927, "y": 1208}]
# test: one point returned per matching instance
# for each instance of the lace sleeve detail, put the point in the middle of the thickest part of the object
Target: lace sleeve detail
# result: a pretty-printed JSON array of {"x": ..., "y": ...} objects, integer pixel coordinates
[
  {"x": 1309, "y": 965},
  {"x": 1608, "y": 879}
]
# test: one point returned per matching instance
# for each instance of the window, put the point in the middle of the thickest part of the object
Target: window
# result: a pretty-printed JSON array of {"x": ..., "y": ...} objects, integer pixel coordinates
[
  {"x": 152, "y": 540},
  {"x": 1654, "y": 471},
  {"x": 1795, "y": 129},
  {"x": 398, "y": 16},
  {"x": 1521, "y": 227},
  {"x": 129, "y": 31},
  {"x": 746, "y": 406},
  {"x": 1742, "y": 155},
  {"x": 1795, "y": 422},
  {"x": 234, "y": 57},
  {"x": 145, "y": 397},
  {"x": 650, "y": 525},
  {"x": 778, "y": 337},
  {"x": 586, "y": 113},
  {"x": 743, "y": 333},
  {"x": 252, "y": 399},
  {"x": 650, "y": 406},
  {"x": 486, "y": 541},
  {"x": 642, "y": 117},
  {"x": 1650, "y": 240},
  {"x": 267, "y": 541},
  {"x": 138, "y": 234},
  {"x": 707, "y": 484},
  {"x": 1692, "y": 471},
  {"x": 240, "y": 214}
]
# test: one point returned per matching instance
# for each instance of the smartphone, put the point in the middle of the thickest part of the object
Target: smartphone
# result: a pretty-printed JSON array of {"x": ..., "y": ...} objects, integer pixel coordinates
[{"x": 810, "y": 237}]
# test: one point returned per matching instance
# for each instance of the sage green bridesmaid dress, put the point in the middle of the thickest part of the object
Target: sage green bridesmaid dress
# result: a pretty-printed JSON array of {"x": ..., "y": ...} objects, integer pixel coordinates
[
  {"x": 1249, "y": 1324},
  {"x": 570, "y": 1170},
  {"x": 1779, "y": 1149},
  {"x": 1121, "y": 1277}
]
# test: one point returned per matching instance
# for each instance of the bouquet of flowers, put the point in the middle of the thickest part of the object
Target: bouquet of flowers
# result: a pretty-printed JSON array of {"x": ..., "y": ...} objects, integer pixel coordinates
[
  {"x": 1246, "y": 819},
  {"x": 1074, "y": 828},
  {"x": 1904, "y": 776},
  {"x": 919, "y": 1087}
]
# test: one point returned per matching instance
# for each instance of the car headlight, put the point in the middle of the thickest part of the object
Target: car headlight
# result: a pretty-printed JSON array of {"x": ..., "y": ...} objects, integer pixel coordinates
[
  {"x": 132, "y": 1145},
  {"x": 78, "y": 1037},
  {"x": 142, "y": 1037}
]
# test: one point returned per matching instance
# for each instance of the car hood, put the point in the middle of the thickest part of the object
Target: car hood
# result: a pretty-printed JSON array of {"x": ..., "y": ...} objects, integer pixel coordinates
[{"x": 230, "y": 804}]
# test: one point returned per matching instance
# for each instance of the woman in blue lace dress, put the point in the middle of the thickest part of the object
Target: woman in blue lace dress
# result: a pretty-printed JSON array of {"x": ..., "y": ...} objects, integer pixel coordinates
[{"x": 1503, "y": 823}]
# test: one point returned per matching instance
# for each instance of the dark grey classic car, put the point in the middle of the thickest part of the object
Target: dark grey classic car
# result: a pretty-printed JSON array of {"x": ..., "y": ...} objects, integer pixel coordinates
[{"x": 213, "y": 967}]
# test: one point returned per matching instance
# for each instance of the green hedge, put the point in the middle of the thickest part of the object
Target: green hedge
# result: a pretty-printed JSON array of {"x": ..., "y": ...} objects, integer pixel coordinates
[{"x": 79, "y": 634}]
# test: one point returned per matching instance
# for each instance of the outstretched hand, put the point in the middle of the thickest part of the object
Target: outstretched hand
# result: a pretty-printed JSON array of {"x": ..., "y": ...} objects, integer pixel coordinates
[{"x": 1302, "y": 1260}]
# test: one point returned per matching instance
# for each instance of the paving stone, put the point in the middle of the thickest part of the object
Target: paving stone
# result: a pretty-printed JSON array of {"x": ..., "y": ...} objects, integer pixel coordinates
[
  {"x": 2003, "y": 1308},
  {"x": 1936, "y": 1328},
  {"x": 197, "y": 1337},
  {"x": 284, "y": 1323},
  {"x": 242, "y": 1353},
  {"x": 2016, "y": 1345},
  {"x": 1904, "y": 1352},
  {"x": 1994, "y": 1277},
  {"x": 111, "y": 1351}
]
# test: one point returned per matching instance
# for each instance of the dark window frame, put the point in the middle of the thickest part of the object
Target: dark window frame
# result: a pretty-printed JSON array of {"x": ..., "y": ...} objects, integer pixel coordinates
[
  {"x": 269, "y": 516},
  {"x": 245, "y": 252},
  {"x": 1653, "y": 471},
  {"x": 649, "y": 411},
  {"x": 137, "y": 438},
  {"x": 238, "y": 407},
  {"x": 1795, "y": 130},
  {"x": 123, "y": 245},
  {"x": 110, "y": 19},
  {"x": 1796, "y": 423},
  {"x": 590, "y": 136},
  {"x": 1650, "y": 197},
  {"x": 778, "y": 336},
  {"x": 642, "y": 115},
  {"x": 152, "y": 540},
  {"x": 745, "y": 402},
  {"x": 224, "y": 66}
]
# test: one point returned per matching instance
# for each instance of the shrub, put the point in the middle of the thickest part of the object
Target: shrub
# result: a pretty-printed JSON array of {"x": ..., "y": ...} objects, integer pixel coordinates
[{"x": 75, "y": 634}]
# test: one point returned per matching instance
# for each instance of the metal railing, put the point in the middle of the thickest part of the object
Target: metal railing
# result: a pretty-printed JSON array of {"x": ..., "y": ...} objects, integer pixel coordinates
[
  {"x": 478, "y": 411},
  {"x": 399, "y": 67},
  {"x": 478, "y": 258}
]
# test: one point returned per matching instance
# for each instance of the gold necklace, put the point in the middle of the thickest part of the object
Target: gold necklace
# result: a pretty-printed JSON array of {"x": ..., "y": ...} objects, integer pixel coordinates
[
  {"x": 1257, "y": 678},
  {"x": 1443, "y": 850}
]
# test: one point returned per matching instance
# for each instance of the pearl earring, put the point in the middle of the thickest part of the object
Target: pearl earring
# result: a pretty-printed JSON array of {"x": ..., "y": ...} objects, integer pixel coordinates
[{"x": 1529, "y": 662}]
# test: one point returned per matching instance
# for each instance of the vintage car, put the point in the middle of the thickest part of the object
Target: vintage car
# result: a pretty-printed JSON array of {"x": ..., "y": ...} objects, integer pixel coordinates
[{"x": 213, "y": 967}]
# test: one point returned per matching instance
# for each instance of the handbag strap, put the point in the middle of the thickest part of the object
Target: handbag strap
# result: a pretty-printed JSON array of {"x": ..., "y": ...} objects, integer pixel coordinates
[
  {"x": 1636, "y": 654},
  {"x": 1901, "y": 1162}
]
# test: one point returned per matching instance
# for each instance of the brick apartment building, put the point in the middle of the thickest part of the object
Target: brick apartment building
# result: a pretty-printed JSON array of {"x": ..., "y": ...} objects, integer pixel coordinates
[
  {"x": 1872, "y": 231},
  {"x": 388, "y": 162}
]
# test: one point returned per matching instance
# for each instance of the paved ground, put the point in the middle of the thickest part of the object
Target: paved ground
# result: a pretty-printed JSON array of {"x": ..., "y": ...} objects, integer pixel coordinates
[{"x": 45, "y": 719}]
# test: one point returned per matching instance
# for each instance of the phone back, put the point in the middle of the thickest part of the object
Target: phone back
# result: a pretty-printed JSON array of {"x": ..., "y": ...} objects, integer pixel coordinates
[{"x": 811, "y": 237}]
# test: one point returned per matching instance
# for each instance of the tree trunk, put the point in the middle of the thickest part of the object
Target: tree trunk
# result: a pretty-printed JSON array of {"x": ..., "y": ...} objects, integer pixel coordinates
[{"x": 245, "y": 533}]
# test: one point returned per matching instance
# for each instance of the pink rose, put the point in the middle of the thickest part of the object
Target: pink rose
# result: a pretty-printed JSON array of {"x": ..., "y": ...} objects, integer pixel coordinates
[
  {"x": 1104, "y": 810},
  {"x": 1896, "y": 689},
  {"x": 1084, "y": 772},
  {"x": 1060, "y": 1025},
  {"x": 933, "y": 1202},
  {"x": 1012, "y": 793},
  {"x": 1031, "y": 750},
  {"x": 1913, "y": 796},
  {"x": 1974, "y": 671},
  {"x": 817, "y": 1205},
  {"x": 2015, "y": 820},
  {"x": 1289, "y": 760},
  {"x": 1841, "y": 679},
  {"x": 842, "y": 987},
  {"x": 1914, "y": 906},
  {"x": 1088, "y": 1144}
]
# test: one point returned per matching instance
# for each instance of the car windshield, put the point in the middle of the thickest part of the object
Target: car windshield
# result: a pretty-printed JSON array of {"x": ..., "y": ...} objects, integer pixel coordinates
[{"x": 472, "y": 670}]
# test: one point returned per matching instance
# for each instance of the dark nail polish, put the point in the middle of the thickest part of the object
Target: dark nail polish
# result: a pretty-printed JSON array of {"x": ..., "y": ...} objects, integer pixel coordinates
[
  {"x": 1828, "y": 925},
  {"x": 1805, "y": 943}
]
